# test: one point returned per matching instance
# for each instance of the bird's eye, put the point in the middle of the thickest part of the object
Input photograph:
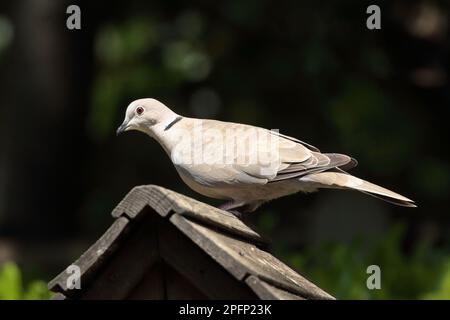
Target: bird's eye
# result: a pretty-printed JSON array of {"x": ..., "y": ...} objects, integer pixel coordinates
[{"x": 139, "y": 111}]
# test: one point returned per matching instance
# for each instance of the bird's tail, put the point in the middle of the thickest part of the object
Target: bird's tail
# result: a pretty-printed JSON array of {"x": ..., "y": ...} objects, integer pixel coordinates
[{"x": 341, "y": 180}]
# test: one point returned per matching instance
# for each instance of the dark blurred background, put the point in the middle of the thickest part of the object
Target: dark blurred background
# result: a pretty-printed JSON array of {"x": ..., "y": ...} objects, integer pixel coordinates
[{"x": 310, "y": 68}]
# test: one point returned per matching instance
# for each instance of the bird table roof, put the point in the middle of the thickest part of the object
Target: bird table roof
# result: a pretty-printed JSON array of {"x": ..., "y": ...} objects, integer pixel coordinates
[{"x": 222, "y": 236}]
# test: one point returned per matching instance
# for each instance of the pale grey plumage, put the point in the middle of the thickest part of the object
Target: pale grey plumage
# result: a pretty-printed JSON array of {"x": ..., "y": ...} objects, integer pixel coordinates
[{"x": 294, "y": 165}]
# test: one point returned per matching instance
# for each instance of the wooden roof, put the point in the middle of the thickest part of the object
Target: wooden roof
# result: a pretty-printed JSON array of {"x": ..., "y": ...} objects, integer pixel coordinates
[{"x": 224, "y": 257}]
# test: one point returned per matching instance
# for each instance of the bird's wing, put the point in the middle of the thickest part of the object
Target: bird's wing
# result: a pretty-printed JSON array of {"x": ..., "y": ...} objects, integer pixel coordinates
[
  {"x": 318, "y": 162},
  {"x": 219, "y": 154},
  {"x": 309, "y": 146},
  {"x": 285, "y": 157},
  {"x": 241, "y": 154}
]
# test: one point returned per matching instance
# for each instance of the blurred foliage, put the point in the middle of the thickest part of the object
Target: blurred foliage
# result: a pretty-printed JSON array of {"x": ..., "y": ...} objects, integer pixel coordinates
[
  {"x": 442, "y": 292},
  {"x": 340, "y": 269},
  {"x": 6, "y": 33},
  {"x": 230, "y": 63},
  {"x": 309, "y": 68},
  {"x": 123, "y": 52},
  {"x": 258, "y": 63},
  {"x": 13, "y": 288}
]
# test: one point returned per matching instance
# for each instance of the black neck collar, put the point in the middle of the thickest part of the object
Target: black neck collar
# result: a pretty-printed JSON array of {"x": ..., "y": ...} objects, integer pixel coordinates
[{"x": 173, "y": 122}]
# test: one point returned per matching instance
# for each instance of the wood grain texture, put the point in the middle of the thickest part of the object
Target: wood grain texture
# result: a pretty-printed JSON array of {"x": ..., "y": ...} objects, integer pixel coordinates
[
  {"x": 190, "y": 261},
  {"x": 163, "y": 245},
  {"x": 92, "y": 258},
  {"x": 128, "y": 265},
  {"x": 165, "y": 202},
  {"x": 242, "y": 259},
  {"x": 265, "y": 291}
]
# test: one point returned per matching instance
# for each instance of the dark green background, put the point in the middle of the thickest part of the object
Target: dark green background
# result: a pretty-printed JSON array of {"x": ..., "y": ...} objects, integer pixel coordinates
[{"x": 309, "y": 68}]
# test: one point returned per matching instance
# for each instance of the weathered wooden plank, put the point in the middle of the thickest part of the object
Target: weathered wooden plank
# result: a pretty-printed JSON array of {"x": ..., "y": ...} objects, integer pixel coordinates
[
  {"x": 191, "y": 262},
  {"x": 92, "y": 259},
  {"x": 241, "y": 259},
  {"x": 266, "y": 291},
  {"x": 140, "y": 197},
  {"x": 128, "y": 265},
  {"x": 165, "y": 202},
  {"x": 119, "y": 264}
]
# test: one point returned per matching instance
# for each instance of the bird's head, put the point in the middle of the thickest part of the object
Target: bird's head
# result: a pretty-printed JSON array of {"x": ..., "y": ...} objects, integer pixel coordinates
[{"x": 144, "y": 114}]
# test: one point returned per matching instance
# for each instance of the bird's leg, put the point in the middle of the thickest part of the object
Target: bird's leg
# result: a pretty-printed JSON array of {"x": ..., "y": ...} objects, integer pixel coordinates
[
  {"x": 237, "y": 214},
  {"x": 232, "y": 207}
]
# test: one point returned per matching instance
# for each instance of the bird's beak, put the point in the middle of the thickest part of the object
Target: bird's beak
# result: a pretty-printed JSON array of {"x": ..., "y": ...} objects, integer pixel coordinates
[{"x": 123, "y": 127}]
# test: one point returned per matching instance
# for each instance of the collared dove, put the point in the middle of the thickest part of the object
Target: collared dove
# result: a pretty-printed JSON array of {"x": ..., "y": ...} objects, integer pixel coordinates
[{"x": 243, "y": 164}]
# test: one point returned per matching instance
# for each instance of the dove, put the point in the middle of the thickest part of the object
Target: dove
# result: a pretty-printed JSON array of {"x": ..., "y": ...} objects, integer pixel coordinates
[{"x": 244, "y": 165}]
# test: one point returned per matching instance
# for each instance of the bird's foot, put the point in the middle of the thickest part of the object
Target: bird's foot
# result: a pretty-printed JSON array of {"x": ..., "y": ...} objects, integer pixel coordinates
[
  {"x": 232, "y": 207},
  {"x": 237, "y": 214}
]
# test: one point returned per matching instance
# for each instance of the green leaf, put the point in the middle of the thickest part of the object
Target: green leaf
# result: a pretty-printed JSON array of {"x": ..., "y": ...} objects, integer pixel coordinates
[{"x": 10, "y": 282}]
